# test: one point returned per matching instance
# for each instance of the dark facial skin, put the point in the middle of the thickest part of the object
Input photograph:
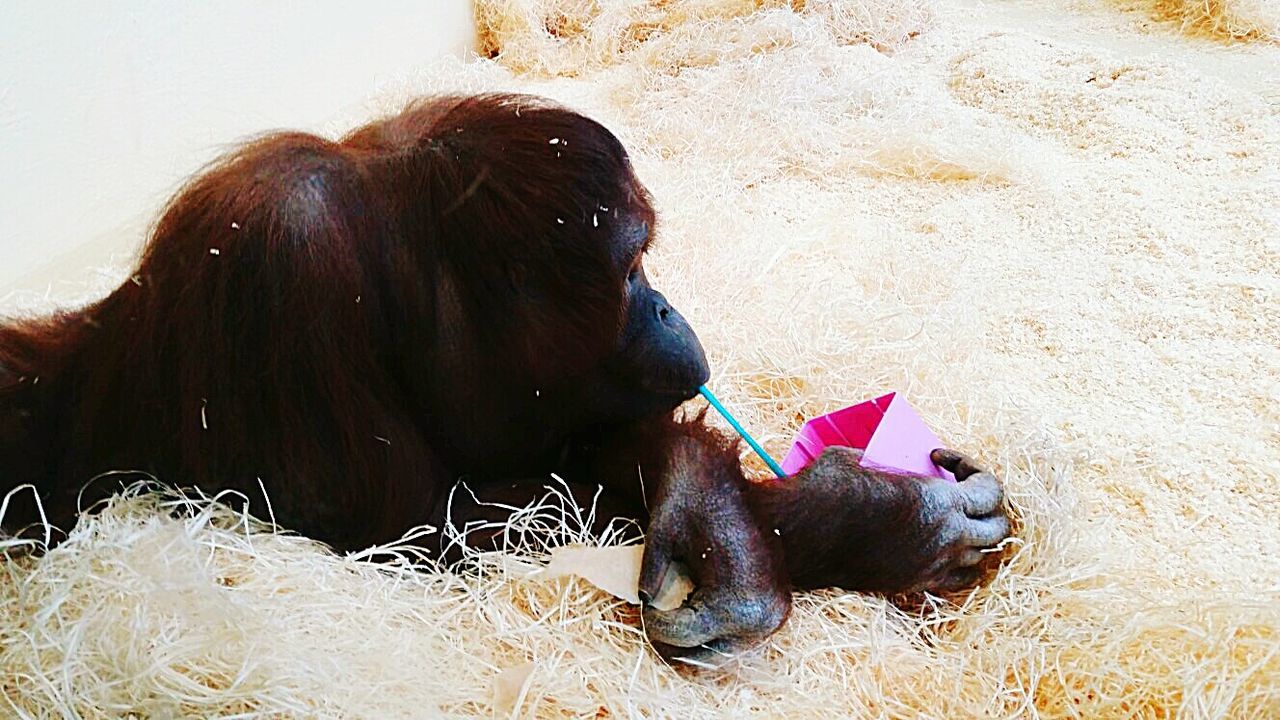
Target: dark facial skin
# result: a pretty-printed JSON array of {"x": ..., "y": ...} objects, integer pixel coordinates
[
  {"x": 456, "y": 291},
  {"x": 658, "y": 361}
]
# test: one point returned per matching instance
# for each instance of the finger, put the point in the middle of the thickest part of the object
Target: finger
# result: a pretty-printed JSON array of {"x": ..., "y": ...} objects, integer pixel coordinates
[
  {"x": 986, "y": 532},
  {"x": 719, "y": 615},
  {"x": 955, "y": 463},
  {"x": 981, "y": 495},
  {"x": 655, "y": 566},
  {"x": 713, "y": 654},
  {"x": 686, "y": 626}
]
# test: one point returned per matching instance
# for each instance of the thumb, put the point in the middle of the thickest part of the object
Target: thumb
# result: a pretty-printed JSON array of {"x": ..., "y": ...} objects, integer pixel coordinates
[
  {"x": 655, "y": 567},
  {"x": 955, "y": 463}
]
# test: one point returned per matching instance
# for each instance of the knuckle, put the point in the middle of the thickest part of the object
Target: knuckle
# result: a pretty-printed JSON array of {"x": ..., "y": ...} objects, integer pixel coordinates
[
  {"x": 1004, "y": 527},
  {"x": 935, "y": 548},
  {"x": 934, "y": 489},
  {"x": 983, "y": 483},
  {"x": 953, "y": 533},
  {"x": 946, "y": 498},
  {"x": 760, "y": 615},
  {"x": 940, "y": 516},
  {"x": 668, "y": 626}
]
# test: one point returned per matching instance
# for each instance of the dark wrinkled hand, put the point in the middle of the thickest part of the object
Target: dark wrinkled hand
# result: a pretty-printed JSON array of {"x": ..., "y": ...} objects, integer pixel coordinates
[
  {"x": 859, "y": 528},
  {"x": 701, "y": 521},
  {"x": 968, "y": 521}
]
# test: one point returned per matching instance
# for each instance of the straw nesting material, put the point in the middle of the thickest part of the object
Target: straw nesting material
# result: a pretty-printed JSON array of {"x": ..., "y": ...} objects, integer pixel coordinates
[
  {"x": 1065, "y": 252},
  {"x": 1229, "y": 20}
]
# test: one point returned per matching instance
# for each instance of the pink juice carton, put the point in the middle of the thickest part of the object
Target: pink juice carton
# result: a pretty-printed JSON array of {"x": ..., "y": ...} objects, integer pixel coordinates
[{"x": 887, "y": 430}]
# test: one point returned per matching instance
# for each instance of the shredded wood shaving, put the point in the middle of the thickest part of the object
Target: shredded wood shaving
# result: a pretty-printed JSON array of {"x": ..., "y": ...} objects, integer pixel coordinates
[{"x": 1053, "y": 225}]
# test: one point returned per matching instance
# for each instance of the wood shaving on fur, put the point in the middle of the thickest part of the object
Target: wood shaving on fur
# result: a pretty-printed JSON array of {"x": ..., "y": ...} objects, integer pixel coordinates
[{"x": 1062, "y": 246}]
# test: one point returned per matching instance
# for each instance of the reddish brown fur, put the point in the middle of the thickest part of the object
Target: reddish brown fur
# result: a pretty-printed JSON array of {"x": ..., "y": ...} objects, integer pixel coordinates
[
  {"x": 337, "y": 319},
  {"x": 456, "y": 291}
]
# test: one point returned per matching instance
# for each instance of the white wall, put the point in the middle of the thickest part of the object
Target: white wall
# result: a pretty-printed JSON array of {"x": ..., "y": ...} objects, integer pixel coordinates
[{"x": 105, "y": 107}]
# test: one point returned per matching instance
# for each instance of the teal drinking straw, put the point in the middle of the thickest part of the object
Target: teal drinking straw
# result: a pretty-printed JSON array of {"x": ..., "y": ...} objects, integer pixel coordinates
[{"x": 773, "y": 464}]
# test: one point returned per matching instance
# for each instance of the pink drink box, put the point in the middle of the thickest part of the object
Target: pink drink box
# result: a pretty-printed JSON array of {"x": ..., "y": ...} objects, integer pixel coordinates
[{"x": 887, "y": 430}]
